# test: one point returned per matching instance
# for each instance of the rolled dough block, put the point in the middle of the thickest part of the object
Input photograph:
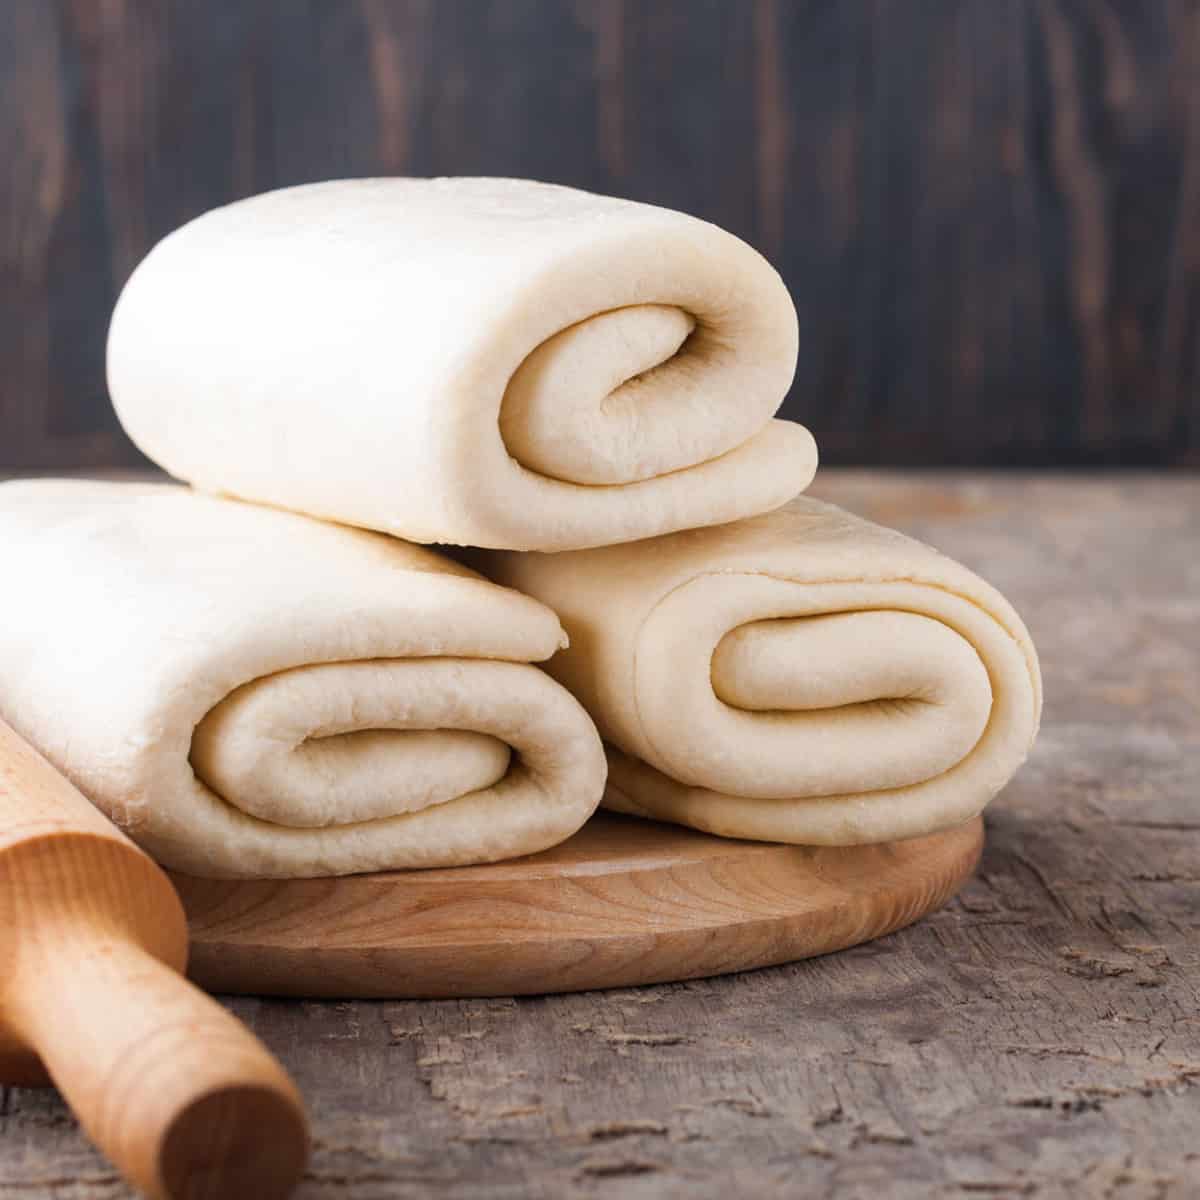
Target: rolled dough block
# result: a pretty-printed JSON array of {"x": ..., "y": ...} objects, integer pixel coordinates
[
  {"x": 803, "y": 676},
  {"x": 248, "y": 692},
  {"x": 484, "y": 362}
]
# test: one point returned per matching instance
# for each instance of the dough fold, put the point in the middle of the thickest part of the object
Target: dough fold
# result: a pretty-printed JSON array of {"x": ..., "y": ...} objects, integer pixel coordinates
[
  {"x": 803, "y": 676},
  {"x": 251, "y": 693},
  {"x": 485, "y": 362}
]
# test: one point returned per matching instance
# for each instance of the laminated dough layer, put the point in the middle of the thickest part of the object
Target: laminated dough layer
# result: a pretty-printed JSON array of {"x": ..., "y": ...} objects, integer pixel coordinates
[
  {"x": 251, "y": 693},
  {"x": 484, "y": 362},
  {"x": 803, "y": 676}
]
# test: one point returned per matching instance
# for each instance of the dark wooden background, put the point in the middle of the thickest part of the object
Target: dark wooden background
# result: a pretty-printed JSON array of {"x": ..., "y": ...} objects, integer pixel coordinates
[{"x": 986, "y": 209}]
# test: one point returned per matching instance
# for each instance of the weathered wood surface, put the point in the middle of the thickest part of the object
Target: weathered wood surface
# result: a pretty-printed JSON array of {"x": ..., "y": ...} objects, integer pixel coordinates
[
  {"x": 986, "y": 209},
  {"x": 1040, "y": 1036}
]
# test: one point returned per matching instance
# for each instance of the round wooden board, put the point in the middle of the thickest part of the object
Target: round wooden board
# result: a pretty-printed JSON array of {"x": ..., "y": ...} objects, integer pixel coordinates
[{"x": 623, "y": 902}]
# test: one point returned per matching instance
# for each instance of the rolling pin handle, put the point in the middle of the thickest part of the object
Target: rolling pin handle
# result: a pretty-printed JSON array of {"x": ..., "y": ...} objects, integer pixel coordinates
[
  {"x": 93, "y": 941},
  {"x": 176, "y": 1091}
]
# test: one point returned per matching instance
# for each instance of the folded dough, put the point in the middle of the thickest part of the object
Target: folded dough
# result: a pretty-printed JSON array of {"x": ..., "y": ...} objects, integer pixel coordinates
[
  {"x": 486, "y": 362},
  {"x": 253, "y": 693},
  {"x": 803, "y": 676}
]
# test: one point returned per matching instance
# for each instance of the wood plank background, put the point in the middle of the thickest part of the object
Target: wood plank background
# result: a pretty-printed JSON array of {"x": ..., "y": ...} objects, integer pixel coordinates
[{"x": 986, "y": 209}]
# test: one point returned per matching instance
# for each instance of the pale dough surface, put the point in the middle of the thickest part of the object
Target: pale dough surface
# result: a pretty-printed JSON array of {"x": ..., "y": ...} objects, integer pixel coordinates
[
  {"x": 803, "y": 676},
  {"x": 483, "y": 362},
  {"x": 248, "y": 692}
]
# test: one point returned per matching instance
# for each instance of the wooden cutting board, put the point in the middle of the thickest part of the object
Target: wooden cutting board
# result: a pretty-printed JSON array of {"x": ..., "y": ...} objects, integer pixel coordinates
[{"x": 623, "y": 902}]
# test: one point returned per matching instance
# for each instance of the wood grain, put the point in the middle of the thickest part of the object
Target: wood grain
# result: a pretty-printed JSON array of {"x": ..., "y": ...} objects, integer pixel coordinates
[
  {"x": 179, "y": 1095},
  {"x": 623, "y": 902},
  {"x": 1036, "y": 1037},
  {"x": 985, "y": 211}
]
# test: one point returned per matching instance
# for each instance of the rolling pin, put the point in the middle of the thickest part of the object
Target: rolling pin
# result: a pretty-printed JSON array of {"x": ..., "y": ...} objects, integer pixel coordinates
[{"x": 183, "y": 1099}]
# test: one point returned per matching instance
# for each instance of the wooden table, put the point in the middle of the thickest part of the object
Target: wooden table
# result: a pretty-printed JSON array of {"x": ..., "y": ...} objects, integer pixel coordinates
[{"x": 1040, "y": 1036}]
